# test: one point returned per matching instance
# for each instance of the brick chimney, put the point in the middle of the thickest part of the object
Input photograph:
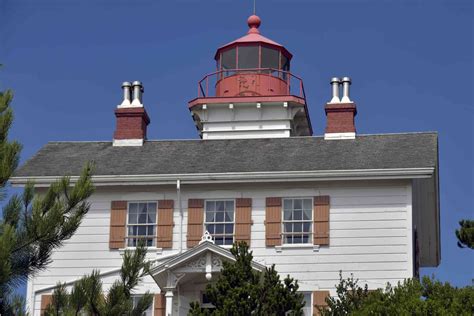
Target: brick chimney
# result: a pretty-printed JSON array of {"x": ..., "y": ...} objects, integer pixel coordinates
[
  {"x": 340, "y": 113},
  {"x": 132, "y": 119}
]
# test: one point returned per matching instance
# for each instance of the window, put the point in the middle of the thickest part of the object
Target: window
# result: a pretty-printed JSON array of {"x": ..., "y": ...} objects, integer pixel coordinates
[
  {"x": 248, "y": 57},
  {"x": 141, "y": 223},
  {"x": 297, "y": 221},
  {"x": 228, "y": 61},
  {"x": 219, "y": 221},
  {"x": 285, "y": 66},
  {"x": 270, "y": 59},
  {"x": 136, "y": 299},
  {"x": 307, "y": 304},
  {"x": 205, "y": 302}
]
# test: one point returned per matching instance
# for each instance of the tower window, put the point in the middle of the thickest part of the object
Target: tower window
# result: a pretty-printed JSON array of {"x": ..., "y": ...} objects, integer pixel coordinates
[
  {"x": 270, "y": 58},
  {"x": 248, "y": 57},
  {"x": 228, "y": 61},
  {"x": 285, "y": 65}
]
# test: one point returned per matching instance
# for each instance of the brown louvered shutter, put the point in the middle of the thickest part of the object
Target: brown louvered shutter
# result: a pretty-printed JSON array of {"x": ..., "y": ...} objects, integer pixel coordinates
[
  {"x": 160, "y": 305},
  {"x": 273, "y": 221},
  {"x": 164, "y": 232},
  {"x": 243, "y": 219},
  {"x": 319, "y": 301},
  {"x": 46, "y": 299},
  {"x": 321, "y": 220},
  {"x": 195, "y": 221},
  {"x": 118, "y": 220}
]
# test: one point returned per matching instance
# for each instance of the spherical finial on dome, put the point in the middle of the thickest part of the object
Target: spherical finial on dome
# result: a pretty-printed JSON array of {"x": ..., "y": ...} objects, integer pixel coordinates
[{"x": 254, "y": 21}]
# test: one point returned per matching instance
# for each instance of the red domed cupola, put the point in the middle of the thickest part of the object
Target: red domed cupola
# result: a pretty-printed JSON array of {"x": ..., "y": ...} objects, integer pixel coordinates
[
  {"x": 262, "y": 60},
  {"x": 251, "y": 71}
]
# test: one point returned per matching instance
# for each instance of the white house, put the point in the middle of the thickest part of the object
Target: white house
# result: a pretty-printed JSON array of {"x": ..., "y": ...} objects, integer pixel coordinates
[{"x": 311, "y": 205}]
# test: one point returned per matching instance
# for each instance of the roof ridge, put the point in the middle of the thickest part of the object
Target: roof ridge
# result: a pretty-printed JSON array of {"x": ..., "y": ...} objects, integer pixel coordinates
[{"x": 248, "y": 139}]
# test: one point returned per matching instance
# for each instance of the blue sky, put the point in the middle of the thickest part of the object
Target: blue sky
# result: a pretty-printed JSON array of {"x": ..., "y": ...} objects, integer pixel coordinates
[{"x": 411, "y": 63}]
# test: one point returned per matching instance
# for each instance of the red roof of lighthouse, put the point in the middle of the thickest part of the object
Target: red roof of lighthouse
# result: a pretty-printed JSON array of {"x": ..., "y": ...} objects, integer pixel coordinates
[{"x": 254, "y": 36}]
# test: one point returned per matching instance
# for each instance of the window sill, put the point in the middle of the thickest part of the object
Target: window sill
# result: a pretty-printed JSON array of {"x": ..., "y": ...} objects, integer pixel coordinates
[
  {"x": 158, "y": 251},
  {"x": 297, "y": 246}
]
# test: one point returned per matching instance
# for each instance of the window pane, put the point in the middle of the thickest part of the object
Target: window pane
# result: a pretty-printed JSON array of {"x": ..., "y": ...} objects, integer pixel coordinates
[
  {"x": 228, "y": 59},
  {"x": 151, "y": 230},
  {"x": 210, "y": 216},
  {"x": 248, "y": 57},
  {"x": 307, "y": 204},
  {"x": 133, "y": 208},
  {"x": 285, "y": 66},
  {"x": 220, "y": 206},
  {"x": 210, "y": 229},
  {"x": 228, "y": 240},
  {"x": 142, "y": 218},
  {"x": 229, "y": 228},
  {"x": 287, "y": 215},
  {"x": 152, "y": 217},
  {"x": 297, "y": 204},
  {"x": 219, "y": 229},
  {"x": 229, "y": 216},
  {"x": 298, "y": 227},
  {"x": 305, "y": 239},
  {"x": 287, "y": 205},
  {"x": 219, "y": 240},
  {"x": 210, "y": 206},
  {"x": 132, "y": 218},
  {"x": 288, "y": 227},
  {"x": 285, "y": 63},
  {"x": 297, "y": 215},
  {"x": 307, "y": 227},
  {"x": 270, "y": 58},
  {"x": 229, "y": 205},
  {"x": 219, "y": 216},
  {"x": 141, "y": 230},
  {"x": 307, "y": 214}
]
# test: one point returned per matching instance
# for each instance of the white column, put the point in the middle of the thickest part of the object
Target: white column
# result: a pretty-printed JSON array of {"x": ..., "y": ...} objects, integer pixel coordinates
[{"x": 169, "y": 302}]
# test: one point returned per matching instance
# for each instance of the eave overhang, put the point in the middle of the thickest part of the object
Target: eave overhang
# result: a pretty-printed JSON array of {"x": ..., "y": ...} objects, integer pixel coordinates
[{"x": 239, "y": 177}]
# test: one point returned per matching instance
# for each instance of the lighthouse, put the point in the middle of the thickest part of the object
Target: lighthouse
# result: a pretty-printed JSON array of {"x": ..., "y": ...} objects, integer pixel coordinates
[{"x": 252, "y": 93}]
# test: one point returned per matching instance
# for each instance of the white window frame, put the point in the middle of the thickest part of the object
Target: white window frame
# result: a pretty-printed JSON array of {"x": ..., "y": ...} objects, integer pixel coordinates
[
  {"x": 311, "y": 307},
  {"x": 128, "y": 237},
  {"x": 149, "y": 311},
  {"x": 283, "y": 221},
  {"x": 217, "y": 223}
]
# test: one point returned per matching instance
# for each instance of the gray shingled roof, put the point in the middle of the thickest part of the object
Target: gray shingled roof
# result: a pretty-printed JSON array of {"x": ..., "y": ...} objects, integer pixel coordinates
[{"x": 410, "y": 150}]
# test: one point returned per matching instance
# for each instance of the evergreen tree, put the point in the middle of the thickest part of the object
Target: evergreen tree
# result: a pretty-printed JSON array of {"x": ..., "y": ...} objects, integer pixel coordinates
[
  {"x": 32, "y": 225},
  {"x": 410, "y": 297},
  {"x": 87, "y": 296},
  {"x": 465, "y": 234},
  {"x": 240, "y": 290}
]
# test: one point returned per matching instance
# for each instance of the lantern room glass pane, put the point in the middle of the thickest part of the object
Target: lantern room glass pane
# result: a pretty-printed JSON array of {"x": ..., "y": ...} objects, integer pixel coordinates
[
  {"x": 285, "y": 65},
  {"x": 270, "y": 59},
  {"x": 228, "y": 61},
  {"x": 248, "y": 57}
]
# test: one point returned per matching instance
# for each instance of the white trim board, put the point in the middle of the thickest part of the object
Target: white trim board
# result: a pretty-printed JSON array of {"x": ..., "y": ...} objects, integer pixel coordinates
[{"x": 236, "y": 177}]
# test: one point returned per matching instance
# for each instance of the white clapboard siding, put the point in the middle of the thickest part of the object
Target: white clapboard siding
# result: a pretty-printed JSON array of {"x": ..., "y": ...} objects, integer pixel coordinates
[{"x": 370, "y": 234}]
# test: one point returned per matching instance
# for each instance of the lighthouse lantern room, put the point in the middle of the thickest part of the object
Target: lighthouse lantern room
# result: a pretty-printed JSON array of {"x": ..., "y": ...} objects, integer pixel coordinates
[{"x": 252, "y": 93}]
